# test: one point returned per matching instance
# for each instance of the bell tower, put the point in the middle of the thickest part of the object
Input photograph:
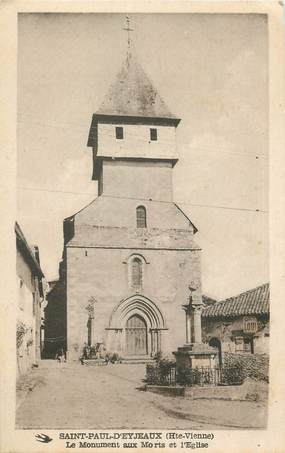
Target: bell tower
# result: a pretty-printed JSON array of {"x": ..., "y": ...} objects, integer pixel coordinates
[{"x": 132, "y": 136}]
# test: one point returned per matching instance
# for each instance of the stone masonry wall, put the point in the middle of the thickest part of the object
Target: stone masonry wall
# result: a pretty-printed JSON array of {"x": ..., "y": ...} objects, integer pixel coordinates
[
  {"x": 136, "y": 142},
  {"x": 121, "y": 212},
  {"x": 137, "y": 179},
  {"x": 103, "y": 274}
]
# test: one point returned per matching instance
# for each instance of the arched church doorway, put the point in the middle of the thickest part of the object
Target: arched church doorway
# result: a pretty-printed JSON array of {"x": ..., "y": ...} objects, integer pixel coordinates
[
  {"x": 136, "y": 336},
  {"x": 215, "y": 343},
  {"x": 136, "y": 327}
]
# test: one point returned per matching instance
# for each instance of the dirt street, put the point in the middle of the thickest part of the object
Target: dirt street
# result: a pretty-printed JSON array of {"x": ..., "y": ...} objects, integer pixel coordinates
[{"x": 72, "y": 396}]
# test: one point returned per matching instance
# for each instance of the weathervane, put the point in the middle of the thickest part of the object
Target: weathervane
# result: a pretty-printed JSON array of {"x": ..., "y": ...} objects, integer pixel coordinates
[{"x": 128, "y": 29}]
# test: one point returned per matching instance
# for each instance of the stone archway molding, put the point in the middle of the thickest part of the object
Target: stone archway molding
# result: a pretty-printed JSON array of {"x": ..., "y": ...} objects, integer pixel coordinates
[{"x": 137, "y": 304}]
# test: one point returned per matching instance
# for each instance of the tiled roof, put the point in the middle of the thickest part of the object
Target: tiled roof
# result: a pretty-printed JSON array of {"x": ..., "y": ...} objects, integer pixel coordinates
[
  {"x": 252, "y": 302},
  {"x": 208, "y": 300}
]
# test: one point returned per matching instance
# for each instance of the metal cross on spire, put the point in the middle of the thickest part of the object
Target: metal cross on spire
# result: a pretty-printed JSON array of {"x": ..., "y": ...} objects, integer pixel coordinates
[{"x": 128, "y": 29}]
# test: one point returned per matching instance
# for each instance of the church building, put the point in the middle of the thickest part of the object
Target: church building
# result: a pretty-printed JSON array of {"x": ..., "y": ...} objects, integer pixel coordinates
[{"x": 130, "y": 255}]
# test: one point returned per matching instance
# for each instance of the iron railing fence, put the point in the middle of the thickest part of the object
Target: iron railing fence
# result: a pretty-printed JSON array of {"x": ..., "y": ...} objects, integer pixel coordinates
[
  {"x": 201, "y": 376},
  {"x": 160, "y": 375}
]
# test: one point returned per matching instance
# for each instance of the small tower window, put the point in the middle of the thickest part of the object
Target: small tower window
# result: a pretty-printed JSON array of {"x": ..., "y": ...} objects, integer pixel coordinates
[
  {"x": 119, "y": 133},
  {"x": 153, "y": 134},
  {"x": 136, "y": 274},
  {"x": 141, "y": 217}
]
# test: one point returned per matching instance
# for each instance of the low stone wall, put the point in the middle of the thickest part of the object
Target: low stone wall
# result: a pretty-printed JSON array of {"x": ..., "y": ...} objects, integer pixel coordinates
[
  {"x": 255, "y": 366},
  {"x": 250, "y": 390}
]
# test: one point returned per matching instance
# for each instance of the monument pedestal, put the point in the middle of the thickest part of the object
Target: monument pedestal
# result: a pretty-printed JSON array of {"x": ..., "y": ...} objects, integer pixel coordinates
[{"x": 193, "y": 355}]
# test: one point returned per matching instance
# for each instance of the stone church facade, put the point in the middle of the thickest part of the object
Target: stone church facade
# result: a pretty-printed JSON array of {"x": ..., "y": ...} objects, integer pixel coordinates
[{"x": 130, "y": 255}]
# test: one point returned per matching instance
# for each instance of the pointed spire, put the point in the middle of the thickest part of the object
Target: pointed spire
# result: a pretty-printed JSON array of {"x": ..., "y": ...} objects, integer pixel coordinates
[{"x": 133, "y": 94}]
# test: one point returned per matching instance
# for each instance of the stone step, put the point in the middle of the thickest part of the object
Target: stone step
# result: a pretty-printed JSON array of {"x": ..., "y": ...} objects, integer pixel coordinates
[
  {"x": 94, "y": 362},
  {"x": 137, "y": 360}
]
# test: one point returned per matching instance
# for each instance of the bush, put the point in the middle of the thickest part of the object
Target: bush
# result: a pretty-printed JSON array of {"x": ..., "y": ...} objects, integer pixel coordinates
[
  {"x": 152, "y": 374},
  {"x": 233, "y": 375},
  {"x": 165, "y": 366},
  {"x": 186, "y": 376},
  {"x": 253, "y": 366},
  {"x": 161, "y": 373},
  {"x": 113, "y": 357},
  {"x": 158, "y": 356}
]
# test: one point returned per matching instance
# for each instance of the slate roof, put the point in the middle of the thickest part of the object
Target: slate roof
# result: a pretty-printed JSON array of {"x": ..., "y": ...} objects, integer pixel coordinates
[
  {"x": 252, "y": 302},
  {"x": 133, "y": 94}
]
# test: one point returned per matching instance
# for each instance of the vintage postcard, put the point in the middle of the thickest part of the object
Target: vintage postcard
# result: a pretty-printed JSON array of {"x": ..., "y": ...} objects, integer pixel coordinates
[{"x": 143, "y": 295}]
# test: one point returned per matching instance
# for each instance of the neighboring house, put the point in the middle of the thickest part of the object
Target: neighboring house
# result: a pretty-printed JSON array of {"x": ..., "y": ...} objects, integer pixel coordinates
[
  {"x": 238, "y": 324},
  {"x": 30, "y": 301},
  {"x": 55, "y": 319}
]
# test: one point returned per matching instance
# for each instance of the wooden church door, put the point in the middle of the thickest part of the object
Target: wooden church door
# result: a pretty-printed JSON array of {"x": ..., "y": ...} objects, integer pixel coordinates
[{"x": 136, "y": 336}]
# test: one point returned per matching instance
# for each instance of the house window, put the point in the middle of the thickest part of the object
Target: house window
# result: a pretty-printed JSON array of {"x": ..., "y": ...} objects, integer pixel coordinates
[
  {"x": 119, "y": 133},
  {"x": 244, "y": 344},
  {"x": 248, "y": 345},
  {"x": 153, "y": 134},
  {"x": 239, "y": 344},
  {"x": 34, "y": 303},
  {"x": 141, "y": 217},
  {"x": 136, "y": 267}
]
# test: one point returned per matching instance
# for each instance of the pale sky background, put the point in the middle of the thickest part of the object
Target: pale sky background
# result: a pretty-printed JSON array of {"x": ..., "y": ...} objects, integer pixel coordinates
[{"x": 212, "y": 72}]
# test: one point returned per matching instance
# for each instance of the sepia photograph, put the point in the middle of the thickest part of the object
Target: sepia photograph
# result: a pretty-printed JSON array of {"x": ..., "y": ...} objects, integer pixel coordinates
[{"x": 141, "y": 229}]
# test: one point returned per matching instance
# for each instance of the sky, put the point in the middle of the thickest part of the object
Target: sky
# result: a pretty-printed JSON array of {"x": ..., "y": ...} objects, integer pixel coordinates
[{"x": 212, "y": 72}]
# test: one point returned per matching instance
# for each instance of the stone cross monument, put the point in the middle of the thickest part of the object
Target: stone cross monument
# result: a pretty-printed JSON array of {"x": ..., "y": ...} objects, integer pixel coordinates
[{"x": 194, "y": 353}]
